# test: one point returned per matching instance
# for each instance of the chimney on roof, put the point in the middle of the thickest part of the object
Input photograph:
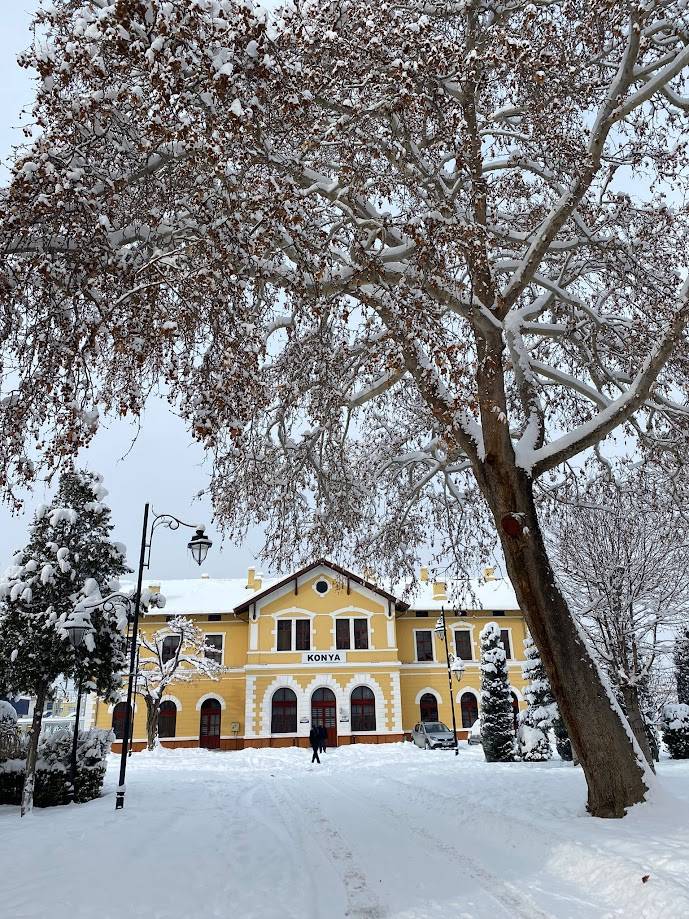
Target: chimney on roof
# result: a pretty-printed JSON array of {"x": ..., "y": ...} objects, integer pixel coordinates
[
  {"x": 423, "y": 574},
  {"x": 440, "y": 590},
  {"x": 154, "y": 588},
  {"x": 251, "y": 578},
  {"x": 258, "y": 580},
  {"x": 489, "y": 574},
  {"x": 205, "y": 576}
]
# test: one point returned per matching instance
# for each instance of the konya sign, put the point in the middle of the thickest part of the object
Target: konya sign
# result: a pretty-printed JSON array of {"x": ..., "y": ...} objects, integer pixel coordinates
[{"x": 324, "y": 657}]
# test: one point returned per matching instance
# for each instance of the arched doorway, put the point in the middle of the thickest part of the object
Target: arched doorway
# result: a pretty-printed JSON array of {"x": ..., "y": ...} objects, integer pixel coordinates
[
  {"x": 209, "y": 733},
  {"x": 119, "y": 716},
  {"x": 283, "y": 712},
  {"x": 167, "y": 719},
  {"x": 363, "y": 709},
  {"x": 324, "y": 712},
  {"x": 469, "y": 707},
  {"x": 515, "y": 711},
  {"x": 428, "y": 705}
]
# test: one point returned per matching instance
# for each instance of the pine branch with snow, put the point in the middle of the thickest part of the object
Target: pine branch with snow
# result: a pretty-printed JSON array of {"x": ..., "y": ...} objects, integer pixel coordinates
[
  {"x": 497, "y": 735},
  {"x": 537, "y": 719},
  {"x": 69, "y": 553}
]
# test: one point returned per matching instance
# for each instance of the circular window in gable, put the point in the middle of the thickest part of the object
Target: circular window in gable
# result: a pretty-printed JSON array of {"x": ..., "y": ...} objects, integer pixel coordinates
[{"x": 321, "y": 586}]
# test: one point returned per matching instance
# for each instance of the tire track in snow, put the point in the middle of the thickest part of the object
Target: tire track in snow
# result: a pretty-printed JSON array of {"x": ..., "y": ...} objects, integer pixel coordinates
[
  {"x": 598, "y": 858},
  {"x": 516, "y": 903},
  {"x": 362, "y": 903}
]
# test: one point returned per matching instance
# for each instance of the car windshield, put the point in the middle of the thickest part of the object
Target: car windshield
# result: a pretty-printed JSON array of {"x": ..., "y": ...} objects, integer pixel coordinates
[{"x": 435, "y": 727}]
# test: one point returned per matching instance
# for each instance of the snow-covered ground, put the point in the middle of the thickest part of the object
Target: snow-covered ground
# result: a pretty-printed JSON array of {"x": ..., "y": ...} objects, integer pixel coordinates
[{"x": 376, "y": 831}]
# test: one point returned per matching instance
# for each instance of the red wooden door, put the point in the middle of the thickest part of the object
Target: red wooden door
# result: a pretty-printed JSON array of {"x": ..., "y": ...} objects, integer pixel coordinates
[
  {"x": 209, "y": 735},
  {"x": 324, "y": 712}
]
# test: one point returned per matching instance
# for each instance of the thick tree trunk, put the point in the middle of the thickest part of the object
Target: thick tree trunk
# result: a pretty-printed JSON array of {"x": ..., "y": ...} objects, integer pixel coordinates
[
  {"x": 32, "y": 752},
  {"x": 636, "y": 721},
  {"x": 152, "y": 711},
  {"x": 614, "y": 769}
]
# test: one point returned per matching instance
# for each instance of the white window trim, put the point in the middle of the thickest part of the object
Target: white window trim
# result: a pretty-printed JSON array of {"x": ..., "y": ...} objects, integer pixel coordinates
[
  {"x": 508, "y": 629},
  {"x": 211, "y": 695},
  {"x": 293, "y": 634},
  {"x": 470, "y": 630},
  {"x": 467, "y": 691},
  {"x": 317, "y": 581},
  {"x": 416, "y": 650},
  {"x": 430, "y": 691},
  {"x": 351, "y": 617},
  {"x": 221, "y": 636}
]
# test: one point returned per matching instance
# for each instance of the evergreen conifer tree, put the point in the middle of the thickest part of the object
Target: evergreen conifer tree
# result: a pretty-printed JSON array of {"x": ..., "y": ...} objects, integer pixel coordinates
[
  {"x": 675, "y": 718},
  {"x": 69, "y": 554},
  {"x": 496, "y": 705},
  {"x": 681, "y": 659},
  {"x": 536, "y": 721},
  {"x": 562, "y": 742}
]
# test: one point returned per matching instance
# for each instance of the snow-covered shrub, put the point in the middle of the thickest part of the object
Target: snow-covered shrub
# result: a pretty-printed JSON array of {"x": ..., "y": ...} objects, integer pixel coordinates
[
  {"x": 496, "y": 705},
  {"x": 53, "y": 786},
  {"x": 675, "y": 728},
  {"x": 9, "y": 736},
  {"x": 562, "y": 742}
]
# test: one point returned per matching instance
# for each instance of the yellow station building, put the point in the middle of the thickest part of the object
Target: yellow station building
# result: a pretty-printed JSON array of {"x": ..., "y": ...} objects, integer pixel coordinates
[{"x": 324, "y": 646}]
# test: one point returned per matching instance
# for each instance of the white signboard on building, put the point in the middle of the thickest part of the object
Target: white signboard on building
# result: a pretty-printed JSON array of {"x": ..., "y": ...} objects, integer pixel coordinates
[{"x": 324, "y": 657}]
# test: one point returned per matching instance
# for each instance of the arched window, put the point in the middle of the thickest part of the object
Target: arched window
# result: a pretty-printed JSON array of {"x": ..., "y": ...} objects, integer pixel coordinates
[
  {"x": 429, "y": 707},
  {"x": 515, "y": 711},
  {"x": 167, "y": 719},
  {"x": 119, "y": 716},
  {"x": 363, "y": 709},
  {"x": 209, "y": 732},
  {"x": 169, "y": 649},
  {"x": 284, "y": 713},
  {"x": 469, "y": 706}
]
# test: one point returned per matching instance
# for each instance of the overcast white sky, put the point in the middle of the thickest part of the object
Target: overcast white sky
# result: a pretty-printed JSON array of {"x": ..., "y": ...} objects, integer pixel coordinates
[{"x": 164, "y": 466}]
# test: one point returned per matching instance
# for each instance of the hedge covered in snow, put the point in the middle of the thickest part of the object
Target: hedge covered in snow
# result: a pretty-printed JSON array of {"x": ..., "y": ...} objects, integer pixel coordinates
[
  {"x": 675, "y": 728},
  {"x": 53, "y": 784}
]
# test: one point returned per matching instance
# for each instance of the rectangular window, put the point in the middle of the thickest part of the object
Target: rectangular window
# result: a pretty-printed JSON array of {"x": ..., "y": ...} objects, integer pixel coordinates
[
  {"x": 284, "y": 634},
  {"x": 463, "y": 644},
  {"x": 303, "y": 634},
  {"x": 214, "y": 617},
  {"x": 170, "y": 646},
  {"x": 505, "y": 639},
  {"x": 422, "y": 614},
  {"x": 498, "y": 612},
  {"x": 342, "y": 642},
  {"x": 216, "y": 653},
  {"x": 360, "y": 634},
  {"x": 424, "y": 646}
]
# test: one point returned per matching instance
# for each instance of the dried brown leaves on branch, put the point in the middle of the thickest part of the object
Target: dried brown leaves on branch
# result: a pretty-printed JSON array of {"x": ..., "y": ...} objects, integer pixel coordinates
[{"x": 394, "y": 263}]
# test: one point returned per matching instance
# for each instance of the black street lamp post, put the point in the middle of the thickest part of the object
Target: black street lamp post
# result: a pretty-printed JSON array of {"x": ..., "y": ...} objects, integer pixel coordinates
[
  {"x": 454, "y": 665},
  {"x": 198, "y": 545},
  {"x": 76, "y": 629}
]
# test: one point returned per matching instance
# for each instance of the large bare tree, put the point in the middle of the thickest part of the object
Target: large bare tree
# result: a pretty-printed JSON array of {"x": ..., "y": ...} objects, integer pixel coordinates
[
  {"x": 622, "y": 553},
  {"x": 384, "y": 258}
]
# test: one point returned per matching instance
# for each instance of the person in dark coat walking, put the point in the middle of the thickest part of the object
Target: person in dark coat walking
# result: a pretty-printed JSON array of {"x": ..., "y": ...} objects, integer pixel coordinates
[
  {"x": 315, "y": 741},
  {"x": 323, "y": 736}
]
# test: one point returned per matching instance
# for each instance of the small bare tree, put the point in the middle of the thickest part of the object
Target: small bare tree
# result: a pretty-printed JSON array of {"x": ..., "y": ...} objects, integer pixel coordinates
[
  {"x": 177, "y": 653},
  {"x": 623, "y": 553}
]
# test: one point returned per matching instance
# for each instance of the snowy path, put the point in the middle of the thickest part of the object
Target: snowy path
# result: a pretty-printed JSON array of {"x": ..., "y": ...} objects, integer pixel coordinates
[{"x": 387, "y": 831}]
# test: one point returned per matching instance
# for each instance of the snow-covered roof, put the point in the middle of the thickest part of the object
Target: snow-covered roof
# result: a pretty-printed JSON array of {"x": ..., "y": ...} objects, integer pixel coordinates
[
  {"x": 477, "y": 593},
  {"x": 223, "y": 595},
  {"x": 204, "y": 595}
]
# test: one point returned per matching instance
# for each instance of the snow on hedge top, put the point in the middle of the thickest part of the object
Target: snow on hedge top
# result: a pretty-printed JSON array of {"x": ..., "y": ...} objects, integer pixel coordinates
[{"x": 7, "y": 712}]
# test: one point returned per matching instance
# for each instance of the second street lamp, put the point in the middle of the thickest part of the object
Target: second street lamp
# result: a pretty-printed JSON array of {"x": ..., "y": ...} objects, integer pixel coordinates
[
  {"x": 198, "y": 545},
  {"x": 454, "y": 665},
  {"x": 77, "y": 627}
]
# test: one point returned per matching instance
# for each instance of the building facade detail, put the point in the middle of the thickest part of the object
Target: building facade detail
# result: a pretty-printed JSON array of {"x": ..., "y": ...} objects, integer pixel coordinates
[{"x": 325, "y": 646}]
